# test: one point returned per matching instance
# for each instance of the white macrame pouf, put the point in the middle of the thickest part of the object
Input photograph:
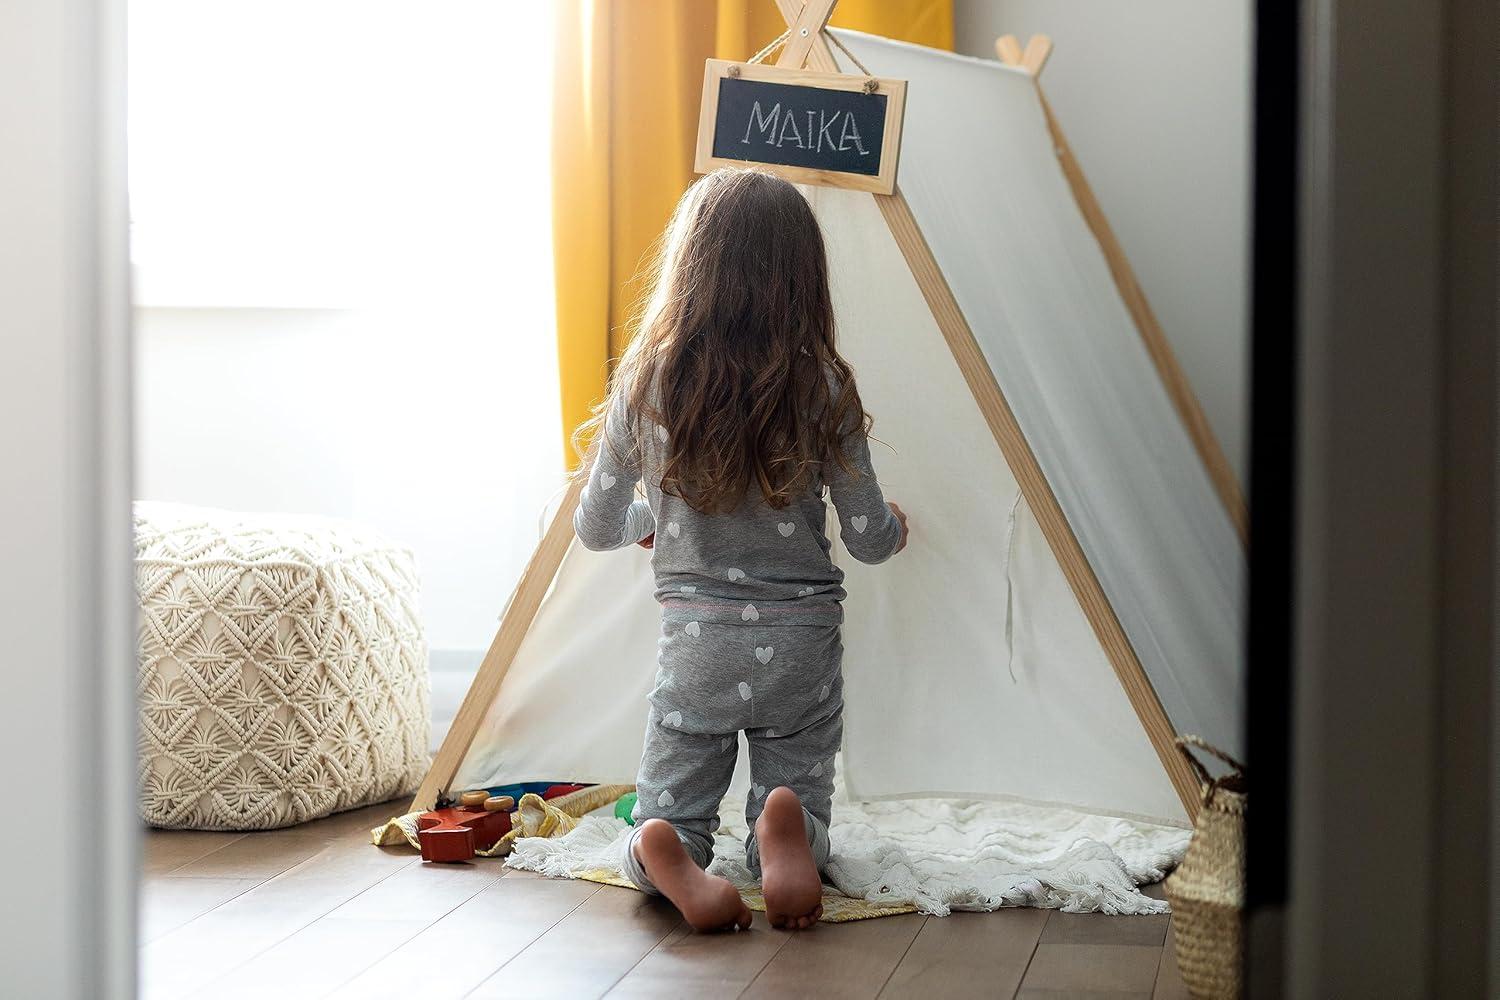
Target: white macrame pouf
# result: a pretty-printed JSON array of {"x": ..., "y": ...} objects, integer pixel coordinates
[{"x": 283, "y": 673}]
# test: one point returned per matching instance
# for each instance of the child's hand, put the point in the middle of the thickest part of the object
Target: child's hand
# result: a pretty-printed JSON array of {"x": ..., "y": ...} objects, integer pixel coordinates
[
  {"x": 650, "y": 541},
  {"x": 900, "y": 516}
]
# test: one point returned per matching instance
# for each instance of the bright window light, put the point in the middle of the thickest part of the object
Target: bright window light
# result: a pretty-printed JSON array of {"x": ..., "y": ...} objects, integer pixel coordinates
[
  {"x": 327, "y": 153},
  {"x": 341, "y": 241}
]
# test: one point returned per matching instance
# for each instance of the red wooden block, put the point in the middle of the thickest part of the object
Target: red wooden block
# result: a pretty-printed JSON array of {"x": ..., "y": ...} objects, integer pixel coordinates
[
  {"x": 556, "y": 791},
  {"x": 454, "y": 834}
]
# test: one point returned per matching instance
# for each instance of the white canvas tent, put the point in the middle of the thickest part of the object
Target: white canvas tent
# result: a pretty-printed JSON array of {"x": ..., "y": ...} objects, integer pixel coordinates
[{"x": 1067, "y": 604}]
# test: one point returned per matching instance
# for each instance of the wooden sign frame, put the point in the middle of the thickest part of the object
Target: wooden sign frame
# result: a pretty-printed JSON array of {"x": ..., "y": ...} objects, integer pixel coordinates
[{"x": 884, "y": 182}]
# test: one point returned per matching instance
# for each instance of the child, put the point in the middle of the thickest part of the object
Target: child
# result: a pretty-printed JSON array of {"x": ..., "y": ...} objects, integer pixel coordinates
[{"x": 735, "y": 407}]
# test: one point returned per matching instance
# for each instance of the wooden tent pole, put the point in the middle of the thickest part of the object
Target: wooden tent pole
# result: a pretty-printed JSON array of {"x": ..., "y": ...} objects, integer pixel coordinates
[
  {"x": 1009, "y": 48},
  {"x": 806, "y": 26},
  {"x": 1023, "y": 463},
  {"x": 1038, "y": 48},
  {"x": 1179, "y": 389},
  {"x": 514, "y": 625}
]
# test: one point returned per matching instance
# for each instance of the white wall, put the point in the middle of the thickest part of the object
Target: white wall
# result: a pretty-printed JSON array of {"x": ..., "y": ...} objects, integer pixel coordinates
[
  {"x": 1155, "y": 99},
  {"x": 343, "y": 274},
  {"x": 436, "y": 427}
]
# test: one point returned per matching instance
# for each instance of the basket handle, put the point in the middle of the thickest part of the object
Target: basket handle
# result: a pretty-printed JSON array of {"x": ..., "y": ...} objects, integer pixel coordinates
[{"x": 1187, "y": 742}]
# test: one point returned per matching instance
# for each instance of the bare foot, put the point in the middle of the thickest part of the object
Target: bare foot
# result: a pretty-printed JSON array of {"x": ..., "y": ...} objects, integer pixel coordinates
[
  {"x": 789, "y": 877},
  {"x": 707, "y": 902}
]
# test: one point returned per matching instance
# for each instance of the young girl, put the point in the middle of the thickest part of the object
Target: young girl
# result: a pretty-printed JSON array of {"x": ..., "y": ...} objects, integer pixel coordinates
[{"x": 734, "y": 405}]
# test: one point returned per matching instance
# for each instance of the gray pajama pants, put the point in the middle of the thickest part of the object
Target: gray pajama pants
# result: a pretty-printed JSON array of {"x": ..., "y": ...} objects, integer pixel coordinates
[{"x": 780, "y": 685}]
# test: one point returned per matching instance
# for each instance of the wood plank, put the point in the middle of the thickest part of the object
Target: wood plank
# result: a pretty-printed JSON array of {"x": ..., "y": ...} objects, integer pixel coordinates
[
  {"x": 519, "y": 614},
  {"x": 591, "y": 949},
  {"x": 691, "y": 964},
  {"x": 250, "y": 854},
  {"x": 968, "y": 955},
  {"x": 267, "y": 853},
  {"x": 168, "y": 850},
  {"x": 361, "y": 922},
  {"x": 458, "y": 952},
  {"x": 359, "y": 821},
  {"x": 1101, "y": 928},
  {"x": 201, "y": 950},
  {"x": 425, "y": 892},
  {"x": 1081, "y": 995},
  {"x": 838, "y": 960},
  {"x": 314, "y": 961},
  {"x": 1119, "y": 970},
  {"x": 166, "y": 903},
  {"x": 1169, "y": 984},
  {"x": 260, "y": 855}
]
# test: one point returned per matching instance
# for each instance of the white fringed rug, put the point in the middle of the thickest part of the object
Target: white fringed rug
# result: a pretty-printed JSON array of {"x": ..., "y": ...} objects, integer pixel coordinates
[{"x": 928, "y": 855}]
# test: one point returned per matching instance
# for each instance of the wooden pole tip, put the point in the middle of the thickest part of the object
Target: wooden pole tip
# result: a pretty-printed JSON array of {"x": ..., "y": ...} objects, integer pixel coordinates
[
  {"x": 1008, "y": 48},
  {"x": 1035, "y": 56}
]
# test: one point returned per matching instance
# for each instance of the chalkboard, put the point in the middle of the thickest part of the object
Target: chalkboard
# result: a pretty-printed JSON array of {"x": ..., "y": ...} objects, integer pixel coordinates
[{"x": 820, "y": 128}]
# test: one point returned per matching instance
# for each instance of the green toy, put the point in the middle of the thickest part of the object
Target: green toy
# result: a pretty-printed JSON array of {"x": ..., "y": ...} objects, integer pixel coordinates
[{"x": 625, "y": 808}]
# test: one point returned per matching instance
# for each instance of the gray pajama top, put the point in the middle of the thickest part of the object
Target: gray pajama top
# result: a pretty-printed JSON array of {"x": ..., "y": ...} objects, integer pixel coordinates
[{"x": 753, "y": 564}]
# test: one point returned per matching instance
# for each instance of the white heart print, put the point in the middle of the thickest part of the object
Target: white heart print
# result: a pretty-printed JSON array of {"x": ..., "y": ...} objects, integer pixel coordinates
[
  {"x": 735, "y": 575},
  {"x": 749, "y": 614},
  {"x": 817, "y": 771},
  {"x": 764, "y": 653},
  {"x": 859, "y": 522},
  {"x": 688, "y": 589},
  {"x": 674, "y": 719},
  {"x": 725, "y": 743},
  {"x": 744, "y": 691},
  {"x": 674, "y": 529},
  {"x": 804, "y": 591},
  {"x": 693, "y": 629},
  {"x": 823, "y": 694},
  {"x": 760, "y": 791},
  {"x": 665, "y": 799},
  {"x": 606, "y": 480},
  {"x": 786, "y": 528},
  {"x": 661, "y": 432}
]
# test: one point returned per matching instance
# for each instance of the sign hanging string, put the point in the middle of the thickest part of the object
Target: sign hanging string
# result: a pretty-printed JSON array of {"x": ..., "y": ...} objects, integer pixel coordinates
[
  {"x": 775, "y": 44},
  {"x": 871, "y": 84}
]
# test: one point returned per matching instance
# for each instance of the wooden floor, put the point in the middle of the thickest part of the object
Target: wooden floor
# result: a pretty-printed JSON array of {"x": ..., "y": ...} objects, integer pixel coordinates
[{"x": 316, "y": 911}]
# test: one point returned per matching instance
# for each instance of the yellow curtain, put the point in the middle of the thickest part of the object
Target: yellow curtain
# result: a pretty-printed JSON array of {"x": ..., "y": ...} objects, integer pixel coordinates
[{"x": 628, "y": 76}]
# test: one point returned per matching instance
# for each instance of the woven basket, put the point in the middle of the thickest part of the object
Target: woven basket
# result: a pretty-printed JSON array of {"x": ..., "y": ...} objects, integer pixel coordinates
[{"x": 1207, "y": 891}]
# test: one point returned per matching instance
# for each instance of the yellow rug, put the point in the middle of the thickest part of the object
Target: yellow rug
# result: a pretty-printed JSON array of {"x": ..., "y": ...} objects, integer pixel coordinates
[{"x": 537, "y": 817}]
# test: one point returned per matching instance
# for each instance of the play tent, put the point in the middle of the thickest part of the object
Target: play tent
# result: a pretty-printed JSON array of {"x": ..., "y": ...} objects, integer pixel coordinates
[{"x": 1072, "y": 597}]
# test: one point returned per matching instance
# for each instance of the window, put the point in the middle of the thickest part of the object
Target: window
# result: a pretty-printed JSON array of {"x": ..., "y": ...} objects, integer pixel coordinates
[{"x": 343, "y": 272}]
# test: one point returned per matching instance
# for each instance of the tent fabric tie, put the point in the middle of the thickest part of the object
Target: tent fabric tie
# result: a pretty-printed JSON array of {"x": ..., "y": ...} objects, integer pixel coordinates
[{"x": 1010, "y": 590}]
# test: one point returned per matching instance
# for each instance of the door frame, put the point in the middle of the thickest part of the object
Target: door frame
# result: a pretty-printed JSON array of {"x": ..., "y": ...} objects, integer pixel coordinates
[{"x": 67, "y": 604}]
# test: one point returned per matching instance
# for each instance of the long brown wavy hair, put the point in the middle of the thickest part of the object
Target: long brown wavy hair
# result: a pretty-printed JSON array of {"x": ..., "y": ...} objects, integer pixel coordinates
[{"x": 733, "y": 352}]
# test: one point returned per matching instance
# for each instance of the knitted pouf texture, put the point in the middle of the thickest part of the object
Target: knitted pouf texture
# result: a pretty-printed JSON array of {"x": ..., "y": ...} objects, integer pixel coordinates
[{"x": 283, "y": 673}]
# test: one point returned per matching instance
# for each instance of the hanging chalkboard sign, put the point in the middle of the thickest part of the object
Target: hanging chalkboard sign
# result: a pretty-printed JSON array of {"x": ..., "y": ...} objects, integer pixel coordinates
[{"x": 816, "y": 128}]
